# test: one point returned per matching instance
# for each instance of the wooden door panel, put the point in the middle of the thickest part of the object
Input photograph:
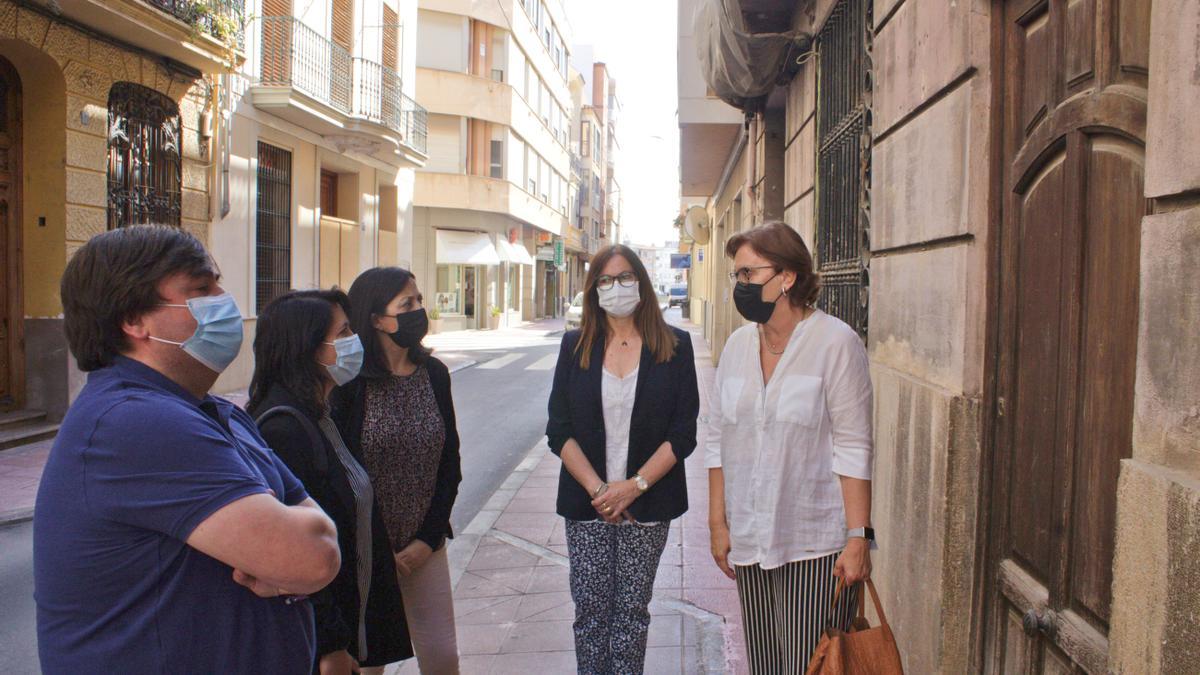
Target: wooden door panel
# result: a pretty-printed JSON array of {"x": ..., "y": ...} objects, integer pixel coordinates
[
  {"x": 1031, "y": 508},
  {"x": 1113, "y": 210},
  {"x": 1132, "y": 38},
  {"x": 1036, "y": 52},
  {"x": 1080, "y": 44}
]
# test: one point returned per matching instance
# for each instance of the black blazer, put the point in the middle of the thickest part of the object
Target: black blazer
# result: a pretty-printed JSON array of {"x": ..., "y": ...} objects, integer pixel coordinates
[
  {"x": 336, "y": 606},
  {"x": 665, "y": 407},
  {"x": 349, "y": 408}
]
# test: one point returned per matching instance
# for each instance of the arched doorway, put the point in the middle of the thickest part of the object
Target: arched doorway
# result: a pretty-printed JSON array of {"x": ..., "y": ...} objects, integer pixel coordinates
[{"x": 12, "y": 357}]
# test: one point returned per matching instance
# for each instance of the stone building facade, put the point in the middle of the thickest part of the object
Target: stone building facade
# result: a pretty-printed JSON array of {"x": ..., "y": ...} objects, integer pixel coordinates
[
  {"x": 104, "y": 123},
  {"x": 1003, "y": 201}
]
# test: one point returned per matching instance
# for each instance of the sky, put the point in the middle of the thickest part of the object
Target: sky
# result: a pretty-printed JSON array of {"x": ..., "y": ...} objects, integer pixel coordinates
[{"x": 636, "y": 39}]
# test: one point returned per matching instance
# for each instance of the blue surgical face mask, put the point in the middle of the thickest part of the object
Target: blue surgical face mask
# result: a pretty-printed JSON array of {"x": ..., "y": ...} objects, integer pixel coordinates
[
  {"x": 218, "y": 336},
  {"x": 349, "y": 359}
]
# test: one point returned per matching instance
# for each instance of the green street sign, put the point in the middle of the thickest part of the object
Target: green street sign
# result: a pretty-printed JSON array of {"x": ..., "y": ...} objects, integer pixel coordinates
[{"x": 558, "y": 252}]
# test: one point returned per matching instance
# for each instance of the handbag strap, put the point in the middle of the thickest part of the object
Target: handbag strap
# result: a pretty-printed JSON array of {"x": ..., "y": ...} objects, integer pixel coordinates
[{"x": 870, "y": 586}]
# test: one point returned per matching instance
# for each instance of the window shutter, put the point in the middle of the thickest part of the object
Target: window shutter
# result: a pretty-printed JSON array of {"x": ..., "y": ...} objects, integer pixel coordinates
[
  {"x": 343, "y": 24},
  {"x": 390, "y": 38}
]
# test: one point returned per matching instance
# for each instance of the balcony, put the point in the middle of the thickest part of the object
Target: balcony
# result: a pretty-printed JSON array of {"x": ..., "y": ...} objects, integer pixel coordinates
[
  {"x": 574, "y": 238},
  {"x": 317, "y": 84},
  {"x": 482, "y": 193},
  {"x": 204, "y": 34}
]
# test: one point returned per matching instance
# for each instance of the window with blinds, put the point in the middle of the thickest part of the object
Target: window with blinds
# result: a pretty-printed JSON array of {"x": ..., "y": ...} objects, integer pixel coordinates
[
  {"x": 145, "y": 178},
  {"x": 391, "y": 39},
  {"x": 843, "y": 162},
  {"x": 273, "y": 241},
  {"x": 341, "y": 31}
]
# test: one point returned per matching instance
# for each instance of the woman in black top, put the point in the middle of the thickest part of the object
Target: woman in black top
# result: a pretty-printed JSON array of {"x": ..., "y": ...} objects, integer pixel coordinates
[
  {"x": 623, "y": 413},
  {"x": 303, "y": 348},
  {"x": 399, "y": 416}
]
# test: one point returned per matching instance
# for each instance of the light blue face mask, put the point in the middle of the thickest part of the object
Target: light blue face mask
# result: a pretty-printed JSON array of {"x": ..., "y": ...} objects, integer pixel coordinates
[
  {"x": 218, "y": 336},
  {"x": 349, "y": 359}
]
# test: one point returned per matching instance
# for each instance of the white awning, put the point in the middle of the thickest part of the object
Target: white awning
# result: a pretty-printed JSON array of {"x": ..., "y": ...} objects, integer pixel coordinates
[
  {"x": 513, "y": 253},
  {"x": 465, "y": 248}
]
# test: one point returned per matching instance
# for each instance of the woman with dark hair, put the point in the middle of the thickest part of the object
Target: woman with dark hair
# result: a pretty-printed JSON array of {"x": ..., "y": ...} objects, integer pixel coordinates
[
  {"x": 622, "y": 418},
  {"x": 303, "y": 348},
  {"x": 399, "y": 416},
  {"x": 789, "y": 454}
]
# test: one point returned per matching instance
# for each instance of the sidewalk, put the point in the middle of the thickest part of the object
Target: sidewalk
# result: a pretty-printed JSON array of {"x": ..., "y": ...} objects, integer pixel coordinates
[{"x": 509, "y": 568}]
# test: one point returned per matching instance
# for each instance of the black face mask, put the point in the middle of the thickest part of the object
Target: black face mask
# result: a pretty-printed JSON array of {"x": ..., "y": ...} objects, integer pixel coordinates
[
  {"x": 748, "y": 300},
  {"x": 411, "y": 328}
]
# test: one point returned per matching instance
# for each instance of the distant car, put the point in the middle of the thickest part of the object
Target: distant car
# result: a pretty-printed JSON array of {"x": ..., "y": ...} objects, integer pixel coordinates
[
  {"x": 575, "y": 312},
  {"x": 679, "y": 295},
  {"x": 664, "y": 300}
]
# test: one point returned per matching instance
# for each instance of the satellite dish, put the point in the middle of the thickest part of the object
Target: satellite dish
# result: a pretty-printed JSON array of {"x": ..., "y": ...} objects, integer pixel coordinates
[{"x": 696, "y": 224}]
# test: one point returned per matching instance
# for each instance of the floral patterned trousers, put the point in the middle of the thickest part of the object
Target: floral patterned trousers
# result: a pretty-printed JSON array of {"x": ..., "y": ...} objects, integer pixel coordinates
[{"x": 612, "y": 581}]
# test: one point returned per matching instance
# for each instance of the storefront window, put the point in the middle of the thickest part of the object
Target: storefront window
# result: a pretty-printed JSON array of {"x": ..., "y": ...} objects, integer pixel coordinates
[
  {"x": 452, "y": 290},
  {"x": 512, "y": 290}
]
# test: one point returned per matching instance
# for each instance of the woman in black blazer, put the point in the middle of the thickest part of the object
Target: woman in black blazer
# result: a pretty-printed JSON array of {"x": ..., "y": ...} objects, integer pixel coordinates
[
  {"x": 623, "y": 413},
  {"x": 303, "y": 348},
  {"x": 398, "y": 415}
]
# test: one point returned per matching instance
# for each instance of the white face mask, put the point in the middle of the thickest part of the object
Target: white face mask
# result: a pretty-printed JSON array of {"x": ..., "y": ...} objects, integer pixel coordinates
[{"x": 619, "y": 301}]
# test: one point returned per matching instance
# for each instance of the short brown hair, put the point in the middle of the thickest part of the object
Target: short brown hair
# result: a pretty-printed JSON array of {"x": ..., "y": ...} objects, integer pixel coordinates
[
  {"x": 114, "y": 277},
  {"x": 786, "y": 250}
]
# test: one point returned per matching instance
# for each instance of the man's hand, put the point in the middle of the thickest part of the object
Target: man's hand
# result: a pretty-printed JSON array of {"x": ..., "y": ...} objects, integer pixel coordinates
[
  {"x": 259, "y": 587},
  {"x": 338, "y": 663},
  {"x": 411, "y": 557},
  {"x": 611, "y": 504}
]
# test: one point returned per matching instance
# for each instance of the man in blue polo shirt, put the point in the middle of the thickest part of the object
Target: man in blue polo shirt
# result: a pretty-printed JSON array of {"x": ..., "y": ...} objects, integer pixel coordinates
[{"x": 167, "y": 537}]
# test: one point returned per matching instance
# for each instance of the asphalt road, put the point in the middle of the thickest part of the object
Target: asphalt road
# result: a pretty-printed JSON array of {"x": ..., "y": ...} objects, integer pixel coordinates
[{"x": 501, "y": 408}]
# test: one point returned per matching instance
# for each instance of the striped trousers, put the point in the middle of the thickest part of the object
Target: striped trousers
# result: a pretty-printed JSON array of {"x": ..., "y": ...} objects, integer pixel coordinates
[{"x": 786, "y": 609}]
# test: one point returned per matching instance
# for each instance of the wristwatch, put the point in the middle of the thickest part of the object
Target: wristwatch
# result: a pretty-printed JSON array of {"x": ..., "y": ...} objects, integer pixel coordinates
[
  {"x": 641, "y": 483},
  {"x": 867, "y": 533}
]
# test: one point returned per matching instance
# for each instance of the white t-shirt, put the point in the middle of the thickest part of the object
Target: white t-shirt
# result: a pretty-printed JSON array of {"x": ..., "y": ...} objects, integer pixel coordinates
[
  {"x": 783, "y": 446},
  {"x": 617, "y": 394}
]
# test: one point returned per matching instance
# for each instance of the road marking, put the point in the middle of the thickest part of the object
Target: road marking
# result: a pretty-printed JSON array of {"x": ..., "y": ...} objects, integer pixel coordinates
[
  {"x": 496, "y": 364},
  {"x": 547, "y": 362}
]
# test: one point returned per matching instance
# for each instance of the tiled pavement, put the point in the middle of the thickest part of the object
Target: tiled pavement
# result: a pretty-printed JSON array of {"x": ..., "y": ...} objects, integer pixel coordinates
[{"x": 20, "y": 472}]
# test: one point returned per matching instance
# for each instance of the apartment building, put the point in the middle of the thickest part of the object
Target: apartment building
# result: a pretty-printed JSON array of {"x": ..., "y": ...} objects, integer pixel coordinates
[
  {"x": 316, "y": 153},
  {"x": 491, "y": 204},
  {"x": 106, "y": 120},
  {"x": 1001, "y": 200}
]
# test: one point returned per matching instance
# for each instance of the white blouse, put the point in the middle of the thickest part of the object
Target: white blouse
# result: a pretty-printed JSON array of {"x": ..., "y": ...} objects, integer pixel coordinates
[
  {"x": 783, "y": 446},
  {"x": 617, "y": 394}
]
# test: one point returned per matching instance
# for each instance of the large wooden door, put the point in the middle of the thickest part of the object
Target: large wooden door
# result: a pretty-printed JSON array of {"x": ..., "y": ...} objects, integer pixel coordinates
[
  {"x": 12, "y": 356},
  {"x": 1074, "y": 82}
]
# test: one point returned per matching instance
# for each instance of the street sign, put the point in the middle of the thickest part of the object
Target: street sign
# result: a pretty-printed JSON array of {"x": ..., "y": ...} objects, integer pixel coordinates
[{"x": 558, "y": 252}]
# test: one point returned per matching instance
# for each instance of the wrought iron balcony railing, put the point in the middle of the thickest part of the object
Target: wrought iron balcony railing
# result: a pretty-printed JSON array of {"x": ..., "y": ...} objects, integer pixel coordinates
[
  {"x": 294, "y": 55},
  {"x": 222, "y": 19}
]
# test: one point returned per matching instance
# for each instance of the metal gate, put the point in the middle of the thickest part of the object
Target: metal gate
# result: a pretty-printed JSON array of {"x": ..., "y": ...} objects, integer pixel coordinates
[{"x": 844, "y": 162}]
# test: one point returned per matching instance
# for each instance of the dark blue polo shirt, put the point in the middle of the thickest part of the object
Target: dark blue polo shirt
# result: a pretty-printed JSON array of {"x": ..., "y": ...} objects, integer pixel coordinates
[{"x": 138, "y": 464}]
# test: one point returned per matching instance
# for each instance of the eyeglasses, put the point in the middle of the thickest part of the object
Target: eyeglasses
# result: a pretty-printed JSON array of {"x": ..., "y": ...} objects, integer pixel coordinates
[
  {"x": 627, "y": 279},
  {"x": 742, "y": 274}
]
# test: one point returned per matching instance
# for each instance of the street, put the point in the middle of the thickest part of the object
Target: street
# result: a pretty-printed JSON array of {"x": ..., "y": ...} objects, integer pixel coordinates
[{"x": 501, "y": 408}]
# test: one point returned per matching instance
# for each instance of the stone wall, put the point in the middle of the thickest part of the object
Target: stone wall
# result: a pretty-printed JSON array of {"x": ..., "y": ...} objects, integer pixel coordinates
[
  {"x": 929, "y": 227},
  {"x": 1156, "y": 609}
]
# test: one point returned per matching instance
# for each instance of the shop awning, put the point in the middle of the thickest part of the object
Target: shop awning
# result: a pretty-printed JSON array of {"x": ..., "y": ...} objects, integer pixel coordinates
[
  {"x": 513, "y": 253},
  {"x": 465, "y": 248}
]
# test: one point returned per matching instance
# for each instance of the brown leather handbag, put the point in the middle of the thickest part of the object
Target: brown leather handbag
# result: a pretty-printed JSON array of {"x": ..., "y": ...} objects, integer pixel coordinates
[{"x": 860, "y": 651}]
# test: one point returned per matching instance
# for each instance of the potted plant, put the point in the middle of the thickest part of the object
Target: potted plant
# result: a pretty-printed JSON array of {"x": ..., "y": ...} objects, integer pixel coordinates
[
  {"x": 494, "y": 322},
  {"x": 435, "y": 321}
]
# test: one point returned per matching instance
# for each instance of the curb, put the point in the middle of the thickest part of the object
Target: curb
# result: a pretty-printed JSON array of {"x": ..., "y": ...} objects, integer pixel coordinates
[{"x": 16, "y": 516}]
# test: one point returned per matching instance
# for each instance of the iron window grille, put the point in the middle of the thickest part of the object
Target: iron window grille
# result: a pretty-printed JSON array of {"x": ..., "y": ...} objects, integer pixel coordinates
[
  {"x": 144, "y": 169},
  {"x": 273, "y": 229},
  {"x": 844, "y": 162}
]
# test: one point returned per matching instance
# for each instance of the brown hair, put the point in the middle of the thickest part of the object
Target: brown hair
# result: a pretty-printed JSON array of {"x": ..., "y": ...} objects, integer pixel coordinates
[
  {"x": 114, "y": 277},
  {"x": 656, "y": 334},
  {"x": 785, "y": 249}
]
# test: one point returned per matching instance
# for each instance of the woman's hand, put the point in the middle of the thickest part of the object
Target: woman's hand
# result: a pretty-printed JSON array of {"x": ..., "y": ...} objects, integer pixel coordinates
[
  {"x": 718, "y": 537},
  {"x": 411, "y": 557},
  {"x": 611, "y": 504},
  {"x": 854, "y": 564},
  {"x": 338, "y": 663}
]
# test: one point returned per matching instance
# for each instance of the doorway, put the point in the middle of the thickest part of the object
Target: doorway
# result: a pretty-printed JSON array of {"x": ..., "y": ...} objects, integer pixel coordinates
[
  {"x": 12, "y": 318},
  {"x": 1071, "y": 194}
]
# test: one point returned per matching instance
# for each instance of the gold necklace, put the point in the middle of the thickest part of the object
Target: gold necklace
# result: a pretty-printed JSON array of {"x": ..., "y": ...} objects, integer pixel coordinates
[{"x": 770, "y": 347}]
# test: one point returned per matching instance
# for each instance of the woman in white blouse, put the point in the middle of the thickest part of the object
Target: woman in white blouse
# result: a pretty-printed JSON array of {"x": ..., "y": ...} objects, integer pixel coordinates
[{"x": 789, "y": 454}]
